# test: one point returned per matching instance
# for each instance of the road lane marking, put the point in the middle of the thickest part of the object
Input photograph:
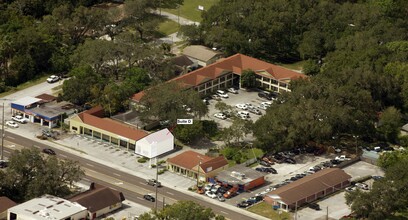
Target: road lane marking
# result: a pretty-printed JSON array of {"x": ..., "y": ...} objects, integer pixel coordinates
[
  {"x": 62, "y": 155},
  {"x": 116, "y": 174},
  {"x": 36, "y": 146},
  {"x": 140, "y": 198},
  {"x": 170, "y": 193},
  {"x": 90, "y": 165},
  {"x": 12, "y": 138},
  {"x": 224, "y": 212}
]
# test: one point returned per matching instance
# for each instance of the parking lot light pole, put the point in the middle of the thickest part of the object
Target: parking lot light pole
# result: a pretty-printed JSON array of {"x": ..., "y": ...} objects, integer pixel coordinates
[
  {"x": 2, "y": 135},
  {"x": 157, "y": 181}
]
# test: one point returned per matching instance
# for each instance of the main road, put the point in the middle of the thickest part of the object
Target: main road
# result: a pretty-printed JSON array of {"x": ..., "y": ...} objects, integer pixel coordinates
[{"x": 131, "y": 186}]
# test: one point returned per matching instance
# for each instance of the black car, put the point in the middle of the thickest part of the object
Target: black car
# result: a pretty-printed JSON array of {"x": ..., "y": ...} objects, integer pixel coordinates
[
  {"x": 294, "y": 178},
  {"x": 149, "y": 198},
  {"x": 261, "y": 169},
  {"x": 243, "y": 204},
  {"x": 3, "y": 164},
  {"x": 271, "y": 170},
  {"x": 264, "y": 163},
  {"x": 334, "y": 161},
  {"x": 49, "y": 151},
  {"x": 314, "y": 206},
  {"x": 290, "y": 160},
  {"x": 377, "y": 177}
]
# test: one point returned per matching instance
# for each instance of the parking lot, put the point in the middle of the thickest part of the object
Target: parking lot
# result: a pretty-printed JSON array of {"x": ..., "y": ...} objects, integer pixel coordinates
[{"x": 242, "y": 97}]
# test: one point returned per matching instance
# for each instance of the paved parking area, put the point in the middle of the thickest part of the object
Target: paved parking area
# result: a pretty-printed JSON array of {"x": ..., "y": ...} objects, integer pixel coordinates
[
  {"x": 361, "y": 169},
  {"x": 334, "y": 206},
  {"x": 242, "y": 97}
]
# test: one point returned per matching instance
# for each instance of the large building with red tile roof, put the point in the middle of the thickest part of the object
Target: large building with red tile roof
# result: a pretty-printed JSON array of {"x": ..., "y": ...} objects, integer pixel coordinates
[
  {"x": 226, "y": 73},
  {"x": 192, "y": 164}
]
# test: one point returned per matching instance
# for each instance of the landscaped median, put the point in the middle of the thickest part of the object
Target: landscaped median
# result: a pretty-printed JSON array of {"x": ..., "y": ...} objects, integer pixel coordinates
[{"x": 266, "y": 210}]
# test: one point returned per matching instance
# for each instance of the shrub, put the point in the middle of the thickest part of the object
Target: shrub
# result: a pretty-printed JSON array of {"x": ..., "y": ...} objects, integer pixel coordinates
[
  {"x": 142, "y": 160},
  {"x": 229, "y": 153},
  {"x": 210, "y": 128},
  {"x": 153, "y": 165}
]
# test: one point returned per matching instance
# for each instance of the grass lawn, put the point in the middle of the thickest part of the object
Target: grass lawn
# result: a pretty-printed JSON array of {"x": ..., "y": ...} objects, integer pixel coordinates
[
  {"x": 248, "y": 153},
  {"x": 168, "y": 27},
  {"x": 190, "y": 10},
  {"x": 267, "y": 211},
  {"x": 293, "y": 66},
  {"x": 24, "y": 86}
]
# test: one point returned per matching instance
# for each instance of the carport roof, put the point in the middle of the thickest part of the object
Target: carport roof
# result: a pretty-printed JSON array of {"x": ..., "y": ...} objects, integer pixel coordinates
[
  {"x": 28, "y": 100},
  {"x": 310, "y": 185}
]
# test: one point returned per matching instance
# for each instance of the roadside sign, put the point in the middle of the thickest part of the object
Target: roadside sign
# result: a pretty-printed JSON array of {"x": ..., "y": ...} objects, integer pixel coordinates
[{"x": 184, "y": 121}]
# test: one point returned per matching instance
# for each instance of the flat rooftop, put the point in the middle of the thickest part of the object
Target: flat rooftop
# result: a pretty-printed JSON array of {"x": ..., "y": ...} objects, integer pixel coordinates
[
  {"x": 47, "y": 207},
  {"x": 239, "y": 174}
]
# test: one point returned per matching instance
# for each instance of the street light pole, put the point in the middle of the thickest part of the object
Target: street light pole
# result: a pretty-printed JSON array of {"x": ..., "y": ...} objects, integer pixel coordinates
[
  {"x": 157, "y": 181},
  {"x": 2, "y": 135}
]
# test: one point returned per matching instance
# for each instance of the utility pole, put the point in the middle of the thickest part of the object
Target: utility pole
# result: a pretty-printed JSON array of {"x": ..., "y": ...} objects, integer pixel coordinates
[
  {"x": 327, "y": 213},
  {"x": 157, "y": 181},
  {"x": 198, "y": 170},
  {"x": 2, "y": 135}
]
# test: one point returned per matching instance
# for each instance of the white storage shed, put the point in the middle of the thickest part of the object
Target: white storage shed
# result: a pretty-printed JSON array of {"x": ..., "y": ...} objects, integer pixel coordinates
[{"x": 155, "y": 144}]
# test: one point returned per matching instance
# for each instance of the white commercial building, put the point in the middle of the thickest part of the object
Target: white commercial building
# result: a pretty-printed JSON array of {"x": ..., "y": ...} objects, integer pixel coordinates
[
  {"x": 155, "y": 144},
  {"x": 47, "y": 207}
]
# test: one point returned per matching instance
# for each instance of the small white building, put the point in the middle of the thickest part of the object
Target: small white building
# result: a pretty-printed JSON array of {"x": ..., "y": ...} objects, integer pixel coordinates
[
  {"x": 47, "y": 207},
  {"x": 155, "y": 144}
]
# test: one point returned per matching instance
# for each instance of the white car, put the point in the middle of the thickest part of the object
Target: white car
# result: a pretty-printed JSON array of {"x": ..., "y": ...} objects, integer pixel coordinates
[
  {"x": 211, "y": 194},
  {"x": 264, "y": 107},
  {"x": 52, "y": 79},
  {"x": 249, "y": 105},
  {"x": 362, "y": 186},
  {"x": 12, "y": 124},
  {"x": 255, "y": 111},
  {"x": 19, "y": 118},
  {"x": 222, "y": 94},
  {"x": 245, "y": 113},
  {"x": 241, "y": 106},
  {"x": 220, "y": 116},
  {"x": 266, "y": 103},
  {"x": 233, "y": 90},
  {"x": 342, "y": 158}
]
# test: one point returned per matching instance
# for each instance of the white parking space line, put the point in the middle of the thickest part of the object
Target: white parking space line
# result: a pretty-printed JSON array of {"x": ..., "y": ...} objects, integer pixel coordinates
[
  {"x": 116, "y": 174},
  {"x": 170, "y": 193},
  {"x": 62, "y": 155},
  {"x": 12, "y": 138},
  {"x": 140, "y": 198},
  {"x": 6, "y": 151},
  {"x": 90, "y": 165},
  {"x": 37, "y": 146},
  {"x": 224, "y": 212}
]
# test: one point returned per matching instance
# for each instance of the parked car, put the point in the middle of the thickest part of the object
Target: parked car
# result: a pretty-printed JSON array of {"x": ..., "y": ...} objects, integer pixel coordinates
[
  {"x": 216, "y": 97},
  {"x": 222, "y": 94},
  {"x": 264, "y": 163},
  {"x": 220, "y": 116},
  {"x": 314, "y": 206},
  {"x": 335, "y": 161},
  {"x": 206, "y": 101},
  {"x": 241, "y": 106},
  {"x": 375, "y": 178},
  {"x": 12, "y": 124},
  {"x": 220, "y": 198},
  {"x": 149, "y": 198},
  {"x": 290, "y": 160},
  {"x": 47, "y": 133},
  {"x": 20, "y": 119},
  {"x": 267, "y": 95},
  {"x": 342, "y": 158},
  {"x": 3, "y": 164},
  {"x": 255, "y": 111},
  {"x": 211, "y": 194},
  {"x": 153, "y": 182},
  {"x": 243, "y": 204},
  {"x": 208, "y": 186},
  {"x": 244, "y": 113},
  {"x": 215, "y": 189},
  {"x": 350, "y": 189},
  {"x": 266, "y": 103},
  {"x": 264, "y": 107},
  {"x": 233, "y": 90},
  {"x": 362, "y": 186},
  {"x": 48, "y": 151},
  {"x": 53, "y": 79}
]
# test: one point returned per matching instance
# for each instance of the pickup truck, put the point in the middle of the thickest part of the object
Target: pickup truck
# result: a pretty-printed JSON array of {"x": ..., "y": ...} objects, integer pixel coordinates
[
  {"x": 342, "y": 158},
  {"x": 20, "y": 119}
]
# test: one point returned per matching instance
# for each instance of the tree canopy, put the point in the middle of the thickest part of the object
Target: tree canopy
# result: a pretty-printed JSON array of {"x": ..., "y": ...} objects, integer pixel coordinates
[
  {"x": 30, "y": 174},
  {"x": 182, "y": 210}
]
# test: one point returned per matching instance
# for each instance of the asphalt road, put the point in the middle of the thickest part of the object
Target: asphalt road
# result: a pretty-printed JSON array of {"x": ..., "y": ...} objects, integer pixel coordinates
[{"x": 131, "y": 186}]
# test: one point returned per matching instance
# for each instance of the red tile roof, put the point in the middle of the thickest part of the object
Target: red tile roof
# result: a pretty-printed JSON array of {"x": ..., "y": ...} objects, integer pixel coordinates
[
  {"x": 236, "y": 63},
  {"x": 190, "y": 159},
  {"x": 107, "y": 124}
]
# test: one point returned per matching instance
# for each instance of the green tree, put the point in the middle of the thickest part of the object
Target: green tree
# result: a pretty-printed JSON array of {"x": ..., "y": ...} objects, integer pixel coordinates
[
  {"x": 248, "y": 79},
  {"x": 189, "y": 133},
  {"x": 235, "y": 133},
  {"x": 170, "y": 101},
  {"x": 24, "y": 178},
  {"x": 390, "y": 123},
  {"x": 182, "y": 210}
]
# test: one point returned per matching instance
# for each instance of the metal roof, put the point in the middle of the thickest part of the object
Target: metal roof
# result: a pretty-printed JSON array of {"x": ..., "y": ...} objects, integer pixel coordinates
[{"x": 28, "y": 100}]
